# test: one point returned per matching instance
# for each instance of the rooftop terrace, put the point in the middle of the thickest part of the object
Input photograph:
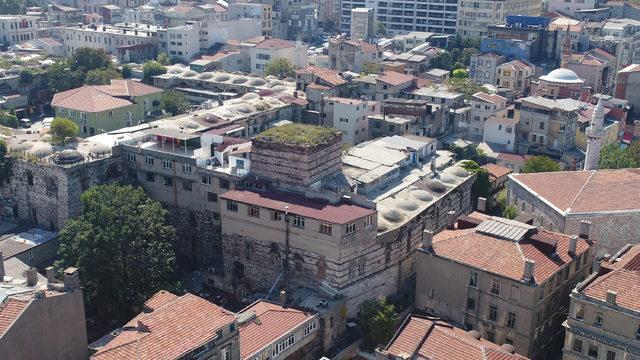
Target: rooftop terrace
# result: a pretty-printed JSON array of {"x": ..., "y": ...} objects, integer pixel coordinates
[{"x": 299, "y": 134}]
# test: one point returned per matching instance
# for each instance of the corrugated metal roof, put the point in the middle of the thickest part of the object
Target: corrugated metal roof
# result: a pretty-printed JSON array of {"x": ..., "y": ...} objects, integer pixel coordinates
[{"x": 504, "y": 228}]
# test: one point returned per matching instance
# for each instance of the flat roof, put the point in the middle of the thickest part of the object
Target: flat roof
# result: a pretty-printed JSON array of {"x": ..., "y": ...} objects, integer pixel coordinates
[{"x": 171, "y": 133}]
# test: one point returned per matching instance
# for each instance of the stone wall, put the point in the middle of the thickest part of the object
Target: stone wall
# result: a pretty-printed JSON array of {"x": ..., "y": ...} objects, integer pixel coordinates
[{"x": 198, "y": 236}]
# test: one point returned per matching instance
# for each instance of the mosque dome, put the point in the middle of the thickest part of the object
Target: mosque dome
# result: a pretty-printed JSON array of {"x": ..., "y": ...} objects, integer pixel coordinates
[{"x": 562, "y": 75}]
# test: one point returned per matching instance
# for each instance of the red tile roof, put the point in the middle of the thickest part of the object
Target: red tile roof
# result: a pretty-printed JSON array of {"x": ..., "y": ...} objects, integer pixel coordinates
[
  {"x": 507, "y": 257},
  {"x": 219, "y": 55},
  {"x": 329, "y": 76},
  {"x": 430, "y": 338},
  {"x": 494, "y": 99},
  {"x": 99, "y": 98},
  {"x": 497, "y": 171},
  {"x": 586, "y": 191},
  {"x": 395, "y": 78},
  {"x": 10, "y": 310},
  {"x": 514, "y": 158},
  {"x": 174, "y": 326},
  {"x": 299, "y": 205},
  {"x": 271, "y": 323},
  {"x": 275, "y": 44}
]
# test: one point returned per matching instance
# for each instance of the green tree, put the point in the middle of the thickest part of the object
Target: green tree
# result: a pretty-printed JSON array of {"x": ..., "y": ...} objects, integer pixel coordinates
[
  {"x": 127, "y": 71},
  {"x": 481, "y": 185},
  {"x": 381, "y": 29},
  {"x": 442, "y": 61},
  {"x": 370, "y": 68},
  {"x": 279, "y": 67},
  {"x": 11, "y": 7},
  {"x": 174, "y": 102},
  {"x": 501, "y": 201},
  {"x": 378, "y": 321},
  {"x": 152, "y": 68},
  {"x": 460, "y": 74},
  {"x": 102, "y": 76},
  {"x": 62, "y": 130},
  {"x": 5, "y": 163},
  {"x": 463, "y": 86},
  {"x": 26, "y": 78},
  {"x": 59, "y": 77},
  {"x": 163, "y": 59},
  {"x": 510, "y": 212},
  {"x": 122, "y": 247},
  {"x": 465, "y": 56},
  {"x": 8, "y": 119},
  {"x": 612, "y": 156},
  {"x": 540, "y": 163},
  {"x": 86, "y": 59}
]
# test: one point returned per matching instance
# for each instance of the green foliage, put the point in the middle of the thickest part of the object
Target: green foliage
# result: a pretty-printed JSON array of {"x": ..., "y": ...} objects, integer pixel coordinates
[
  {"x": 87, "y": 59},
  {"x": 460, "y": 74},
  {"x": 612, "y": 156},
  {"x": 510, "y": 212},
  {"x": 174, "y": 102},
  {"x": 501, "y": 201},
  {"x": 481, "y": 185},
  {"x": 26, "y": 78},
  {"x": 378, "y": 321},
  {"x": 280, "y": 68},
  {"x": 299, "y": 134},
  {"x": 465, "y": 56},
  {"x": 461, "y": 43},
  {"x": 5, "y": 63},
  {"x": 152, "y": 68},
  {"x": 62, "y": 130},
  {"x": 540, "y": 163},
  {"x": 8, "y": 119},
  {"x": 442, "y": 61},
  {"x": 470, "y": 152},
  {"x": 463, "y": 86},
  {"x": 381, "y": 29},
  {"x": 5, "y": 164},
  {"x": 11, "y": 7},
  {"x": 163, "y": 59},
  {"x": 370, "y": 68},
  {"x": 102, "y": 76},
  {"x": 122, "y": 247},
  {"x": 127, "y": 71},
  {"x": 59, "y": 77}
]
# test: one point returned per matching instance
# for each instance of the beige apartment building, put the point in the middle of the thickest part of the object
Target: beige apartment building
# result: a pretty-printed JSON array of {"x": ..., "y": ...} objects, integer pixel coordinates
[
  {"x": 604, "y": 318},
  {"x": 507, "y": 280}
]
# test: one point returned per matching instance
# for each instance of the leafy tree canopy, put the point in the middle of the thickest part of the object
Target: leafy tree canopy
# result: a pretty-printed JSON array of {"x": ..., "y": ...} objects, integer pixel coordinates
[
  {"x": 122, "y": 247},
  {"x": 280, "y": 67},
  {"x": 102, "y": 76},
  {"x": 174, "y": 102},
  {"x": 381, "y": 29},
  {"x": 87, "y": 59},
  {"x": 370, "y": 68},
  {"x": 540, "y": 163},
  {"x": 163, "y": 59},
  {"x": 460, "y": 74},
  {"x": 510, "y": 212},
  {"x": 463, "y": 86},
  {"x": 612, "y": 156},
  {"x": 127, "y": 71},
  {"x": 482, "y": 184},
  {"x": 378, "y": 321},
  {"x": 152, "y": 68},
  {"x": 62, "y": 130},
  {"x": 8, "y": 119}
]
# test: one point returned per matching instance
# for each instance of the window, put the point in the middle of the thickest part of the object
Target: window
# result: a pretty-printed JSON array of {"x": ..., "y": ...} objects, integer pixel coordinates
[
  {"x": 471, "y": 304},
  {"x": 167, "y": 164},
  {"x": 187, "y": 185},
  {"x": 223, "y": 183},
  {"x": 148, "y": 160},
  {"x": 577, "y": 345},
  {"x": 212, "y": 197},
  {"x": 298, "y": 221},
  {"x": 168, "y": 181},
  {"x": 83, "y": 116},
  {"x": 253, "y": 210},
  {"x": 368, "y": 221},
  {"x": 611, "y": 355},
  {"x": 511, "y": 320},
  {"x": 473, "y": 279},
  {"x": 325, "y": 228},
  {"x": 508, "y": 341},
  {"x": 580, "y": 312},
  {"x": 638, "y": 333},
  {"x": 131, "y": 156},
  {"x": 599, "y": 319},
  {"x": 495, "y": 287},
  {"x": 283, "y": 345},
  {"x": 150, "y": 177},
  {"x": 232, "y": 206},
  {"x": 186, "y": 168},
  {"x": 493, "y": 313},
  {"x": 491, "y": 336},
  {"x": 276, "y": 215},
  {"x": 310, "y": 327},
  {"x": 514, "y": 294},
  {"x": 593, "y": 351},
  {"x": 225, "y": 353},
  {"x": 351, "y": 228},
  {"x": 206, "y": 179}
]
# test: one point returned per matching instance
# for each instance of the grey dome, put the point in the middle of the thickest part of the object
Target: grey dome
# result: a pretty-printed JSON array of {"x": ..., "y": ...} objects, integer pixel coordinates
[
  {"x": 434, "y": 186},
  {"x": 447, "y": 179},
  {"x": 250, "y": 96},
  {"x": 273, "y": 83},
  {"x": 222, "y": 78},
  {"x": 278, "y": 88},
  {"x": 408, "y": 205},
  {"x": 240, "y": 80},
  {"x": 68, "y": 156},
  {"x": 257, "y": 82},
  {"x": 421, "y": 195},
  {"x": 205, "y": 76},
  {"x": 392, "y": 215},
  {"x": 189, "y": 73},
  {"x": 457, "y": 171}
]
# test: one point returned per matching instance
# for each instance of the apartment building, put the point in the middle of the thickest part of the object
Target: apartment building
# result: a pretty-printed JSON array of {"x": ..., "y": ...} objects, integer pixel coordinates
[
  {"x": 17, "y": 28},
  {"x": 352, "y": 55},
  {"x": 349, "y": 116},
  {"x": 183, "y": 41},
  {"x": 627, "y": 85},
  {"x": 436, "y": 16},
  {"x": 500, "y": 129},
  {"x": 507, "y": 280},
  {"x": 362, "y": 23},
  {"x": 515, "y": 75},
  {"x": 604, "y": 318},
  {"x": 255, "y": 11},
  {"x": 596, "y": 67},
  {"x": 483, "y": 106},
  {"x": 547, "y": 125},
  {"x": 474, "y": 17},
  {"x": 483, "y": 67},
  {"x": 570, "y": 7},
  {"x": 108, "y": 37},
  {"x": 270, "y": 49}
]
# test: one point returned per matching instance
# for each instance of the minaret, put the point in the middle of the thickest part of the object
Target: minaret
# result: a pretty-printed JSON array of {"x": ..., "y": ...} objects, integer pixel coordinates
[
  {"x": 595, "y": 133},
  {"x": 566, "y": 49}
]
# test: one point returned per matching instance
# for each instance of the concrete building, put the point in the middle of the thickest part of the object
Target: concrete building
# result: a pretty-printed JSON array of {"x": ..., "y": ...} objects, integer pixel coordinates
[
  {"x": 500, "y": 129},
  {"x": 405, "y": 17},
  {"x": 175, "y": 327},
  {"x": 32, "y": 305},
  {"x": 515, "y": 75},
  {"x": 351, "y": 55},
  {"x": 570, "y": 7},
  {"x": 483, "y": 106},
  {"x": 17, "y": 28},
  {"x": 628, "y": 85},
  {"x": 362, "y": 23},
  {"x": 573, "y": 30},
  {"x": 483, "y": 67},
  {"x": 34, "y": 247},
  {"x": 596, "y": 67},
  {"x": 103, "y": 108},
  {"x": 603, "y": 318},
  {"x": 524, "y": 38},
  {"x": 270, "y": 49},
  {"x": 507, "y": 280},
  {"x": 619, "y": 37},
  {"x": 253, "y": 10},
  {"x": 107, "y": 37},
  {"x": 433, "y": 338},
  {"x": 606, "y": 198},
  {"x": 349, "y": 116},
  {"x": 474, "y": 17}
]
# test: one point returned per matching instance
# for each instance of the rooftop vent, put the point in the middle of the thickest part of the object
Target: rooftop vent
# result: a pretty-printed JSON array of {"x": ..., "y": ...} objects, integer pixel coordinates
[{"x": 504, "y": 228}]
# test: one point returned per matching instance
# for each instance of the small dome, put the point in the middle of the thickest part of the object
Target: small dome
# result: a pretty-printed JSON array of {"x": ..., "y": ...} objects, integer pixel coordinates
[
  {"x": 289, "y": 79},
  {"x": 205, "y": 76},
  {"x": 421, "y": 195},
  {"x": 273, "y": 83},
  {"x": 257, "y": 82},
  {"x": 222, "y": 78},
  {"x": 175, "y": 71},
  {"x": 189, "y": 73},
  {"x": 250, "y": 96},
  {"x": 68, "y": 156},
  {"x": 23, "y": 146},
  {"x": 244, "y": 108},
  {"x": 100, "y": 149},
  {"x": 392, "y": 215},
  {"x": 447, "y": 179},
  {"x": 562, "y": 75},
  {"x": 41, "y": 150},
  {"x": 408, "y": 205},
  {"x": 457, "y": 171},
  {"x": 240, "y": 80},
  {"x": 434, "y": 186},
  {"x": 278, "y": 88}
]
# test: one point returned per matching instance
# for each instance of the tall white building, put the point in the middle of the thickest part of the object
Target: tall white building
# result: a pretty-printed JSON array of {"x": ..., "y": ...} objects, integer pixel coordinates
[
  {"x": 595, "y": 133},
  {"x": 436, "y": 16},
  {"x": 569, "y": 7},
  {"x": 17, "y": 28},
  {"x": 362, "y": 23},
  {"x": 474, "y": 16},
  {"x": 108, "y": 37}
]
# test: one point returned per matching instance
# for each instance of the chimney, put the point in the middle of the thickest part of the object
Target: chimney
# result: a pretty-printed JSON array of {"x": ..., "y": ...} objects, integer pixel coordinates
[
  {"x": 427, "y": 240},
  {"x": 573, "y": 243},
  {"x": 71, "y": 278},
  {"x": 32, "y": 276},
  {"x": 1, "y": 267},
  {"x": 529, "y": 267},
  {"x": 433, "y": 165},
  {"x": 40, "y": 294},
  {"x": 451, "y": 219},
  {"x": 283, "y": 298},
  {"x": 51, "y": 275},
  {"x": 482, "y": 205},
  {"x": 585, "y": 227},
  {"x": 611, "y": 297}
]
